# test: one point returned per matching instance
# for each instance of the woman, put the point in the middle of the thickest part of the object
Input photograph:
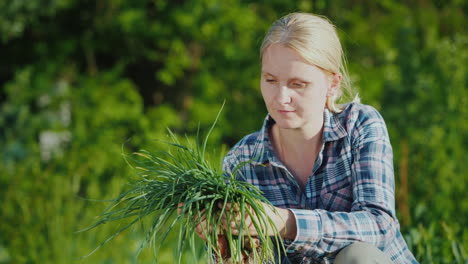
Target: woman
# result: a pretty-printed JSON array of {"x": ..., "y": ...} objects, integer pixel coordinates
[{"x": 327, "y": 169}]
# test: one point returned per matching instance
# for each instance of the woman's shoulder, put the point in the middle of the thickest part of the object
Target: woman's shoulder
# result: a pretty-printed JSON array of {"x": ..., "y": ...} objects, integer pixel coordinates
[
  {"x": 357, "y": 114},
  {"x": 252, "y": 145},
  {"x": 362, "y": 121},
  {"x": 359, "y": 110},
  {"x": 245, "y": 148}
]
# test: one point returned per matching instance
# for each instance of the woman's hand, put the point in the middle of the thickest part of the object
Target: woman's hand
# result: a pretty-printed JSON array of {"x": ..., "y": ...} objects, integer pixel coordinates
[
  {"x": 200, "y": 229},
  {"x": 283, "y": 220}
]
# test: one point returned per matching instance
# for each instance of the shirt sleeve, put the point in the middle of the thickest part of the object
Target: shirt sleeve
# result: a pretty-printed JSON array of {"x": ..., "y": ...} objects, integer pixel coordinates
[{"x": 320, "y": 233}]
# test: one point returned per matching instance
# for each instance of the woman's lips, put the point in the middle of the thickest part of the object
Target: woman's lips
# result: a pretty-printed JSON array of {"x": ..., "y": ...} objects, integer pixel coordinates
[{"x": 286, "y": 113}]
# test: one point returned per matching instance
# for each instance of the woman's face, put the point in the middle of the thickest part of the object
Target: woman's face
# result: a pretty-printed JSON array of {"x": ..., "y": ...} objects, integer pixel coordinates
[{"x": 294, "y": 91}]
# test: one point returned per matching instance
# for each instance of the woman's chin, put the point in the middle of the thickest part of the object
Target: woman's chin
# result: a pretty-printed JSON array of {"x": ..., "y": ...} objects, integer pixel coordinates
[{"x": 287, "y": 124}]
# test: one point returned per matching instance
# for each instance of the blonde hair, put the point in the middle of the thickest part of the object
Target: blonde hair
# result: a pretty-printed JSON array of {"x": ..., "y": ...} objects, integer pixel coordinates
[{"x": 316, "y": 40}]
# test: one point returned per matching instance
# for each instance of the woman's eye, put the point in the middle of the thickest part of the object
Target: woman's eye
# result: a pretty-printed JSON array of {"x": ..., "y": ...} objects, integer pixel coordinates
[
  {"x": 298, "y": 85},
  {"x": 270, "y": 80}
]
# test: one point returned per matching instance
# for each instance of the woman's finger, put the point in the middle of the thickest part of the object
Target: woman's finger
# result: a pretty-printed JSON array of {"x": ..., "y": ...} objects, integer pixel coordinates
[
  {"x": 229, "y": 206},
  {"x": 232, "y": 220},
  {"x": 251, "y": 242},
  {"x": 199, "y": 232},
  {"x": 179, "y": 207}
]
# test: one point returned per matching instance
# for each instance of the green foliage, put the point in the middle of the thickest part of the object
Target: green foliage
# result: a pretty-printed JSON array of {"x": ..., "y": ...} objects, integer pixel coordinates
[
  {"x": 182, "y": 178},
  {"x": 82, "y": 80}
]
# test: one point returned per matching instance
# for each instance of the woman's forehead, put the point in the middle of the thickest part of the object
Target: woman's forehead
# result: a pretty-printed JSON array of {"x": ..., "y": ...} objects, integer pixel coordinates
[
  {"x": 281, "y": 52},
  {"x": 279, "y": 60}
]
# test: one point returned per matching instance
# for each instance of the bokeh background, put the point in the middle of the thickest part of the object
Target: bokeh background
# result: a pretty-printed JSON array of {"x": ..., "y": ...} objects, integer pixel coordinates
[{"x": 82, "y": 81}]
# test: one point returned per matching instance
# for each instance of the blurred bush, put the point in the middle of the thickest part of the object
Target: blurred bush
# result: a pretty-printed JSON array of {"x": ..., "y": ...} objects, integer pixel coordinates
[{"x": 82, "y": 81}]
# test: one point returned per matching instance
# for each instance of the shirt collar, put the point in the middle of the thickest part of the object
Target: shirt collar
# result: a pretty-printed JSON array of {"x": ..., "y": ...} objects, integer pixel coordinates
[
  {"x": 333, "y": 129},
  {"x": 333, "y": 126}
]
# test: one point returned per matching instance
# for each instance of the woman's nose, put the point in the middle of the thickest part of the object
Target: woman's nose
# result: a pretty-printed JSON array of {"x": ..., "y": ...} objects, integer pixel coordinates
[{"x": 283, "y": 96}]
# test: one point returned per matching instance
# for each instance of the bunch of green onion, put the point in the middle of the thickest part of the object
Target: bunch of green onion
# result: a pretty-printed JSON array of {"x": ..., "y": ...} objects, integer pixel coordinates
[{"x": 179, "y": 187}]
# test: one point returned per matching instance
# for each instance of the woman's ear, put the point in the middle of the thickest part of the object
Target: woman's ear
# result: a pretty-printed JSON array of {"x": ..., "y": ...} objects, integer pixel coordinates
[{"x": 335, "y": 82}]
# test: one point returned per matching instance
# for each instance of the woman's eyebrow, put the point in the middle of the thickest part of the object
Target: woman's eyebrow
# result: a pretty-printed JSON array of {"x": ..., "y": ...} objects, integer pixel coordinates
[
  {"x": 298, "y": 79},
  {"x": 293, "y": 78},
  {"x": 267, "y": 73}
]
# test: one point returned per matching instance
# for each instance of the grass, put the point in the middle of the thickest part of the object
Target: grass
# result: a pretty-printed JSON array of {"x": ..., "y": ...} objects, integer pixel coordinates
[{"x": 178, "y": 189}]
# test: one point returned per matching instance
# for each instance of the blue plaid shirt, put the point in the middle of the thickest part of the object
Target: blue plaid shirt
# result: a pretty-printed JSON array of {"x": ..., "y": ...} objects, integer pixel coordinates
[{"x": 349, "y": 196}]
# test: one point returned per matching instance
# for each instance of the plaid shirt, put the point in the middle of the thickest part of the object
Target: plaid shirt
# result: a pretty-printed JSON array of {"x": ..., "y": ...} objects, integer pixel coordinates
[{"x": 349, "y": 196}]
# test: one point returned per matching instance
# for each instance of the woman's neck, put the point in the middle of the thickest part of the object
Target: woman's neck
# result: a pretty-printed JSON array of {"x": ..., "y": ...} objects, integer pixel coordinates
[
  {"x": 293, "y": 144},
  {"x": 298, "y": 150},
  {"x": 300, "y": 140}
]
